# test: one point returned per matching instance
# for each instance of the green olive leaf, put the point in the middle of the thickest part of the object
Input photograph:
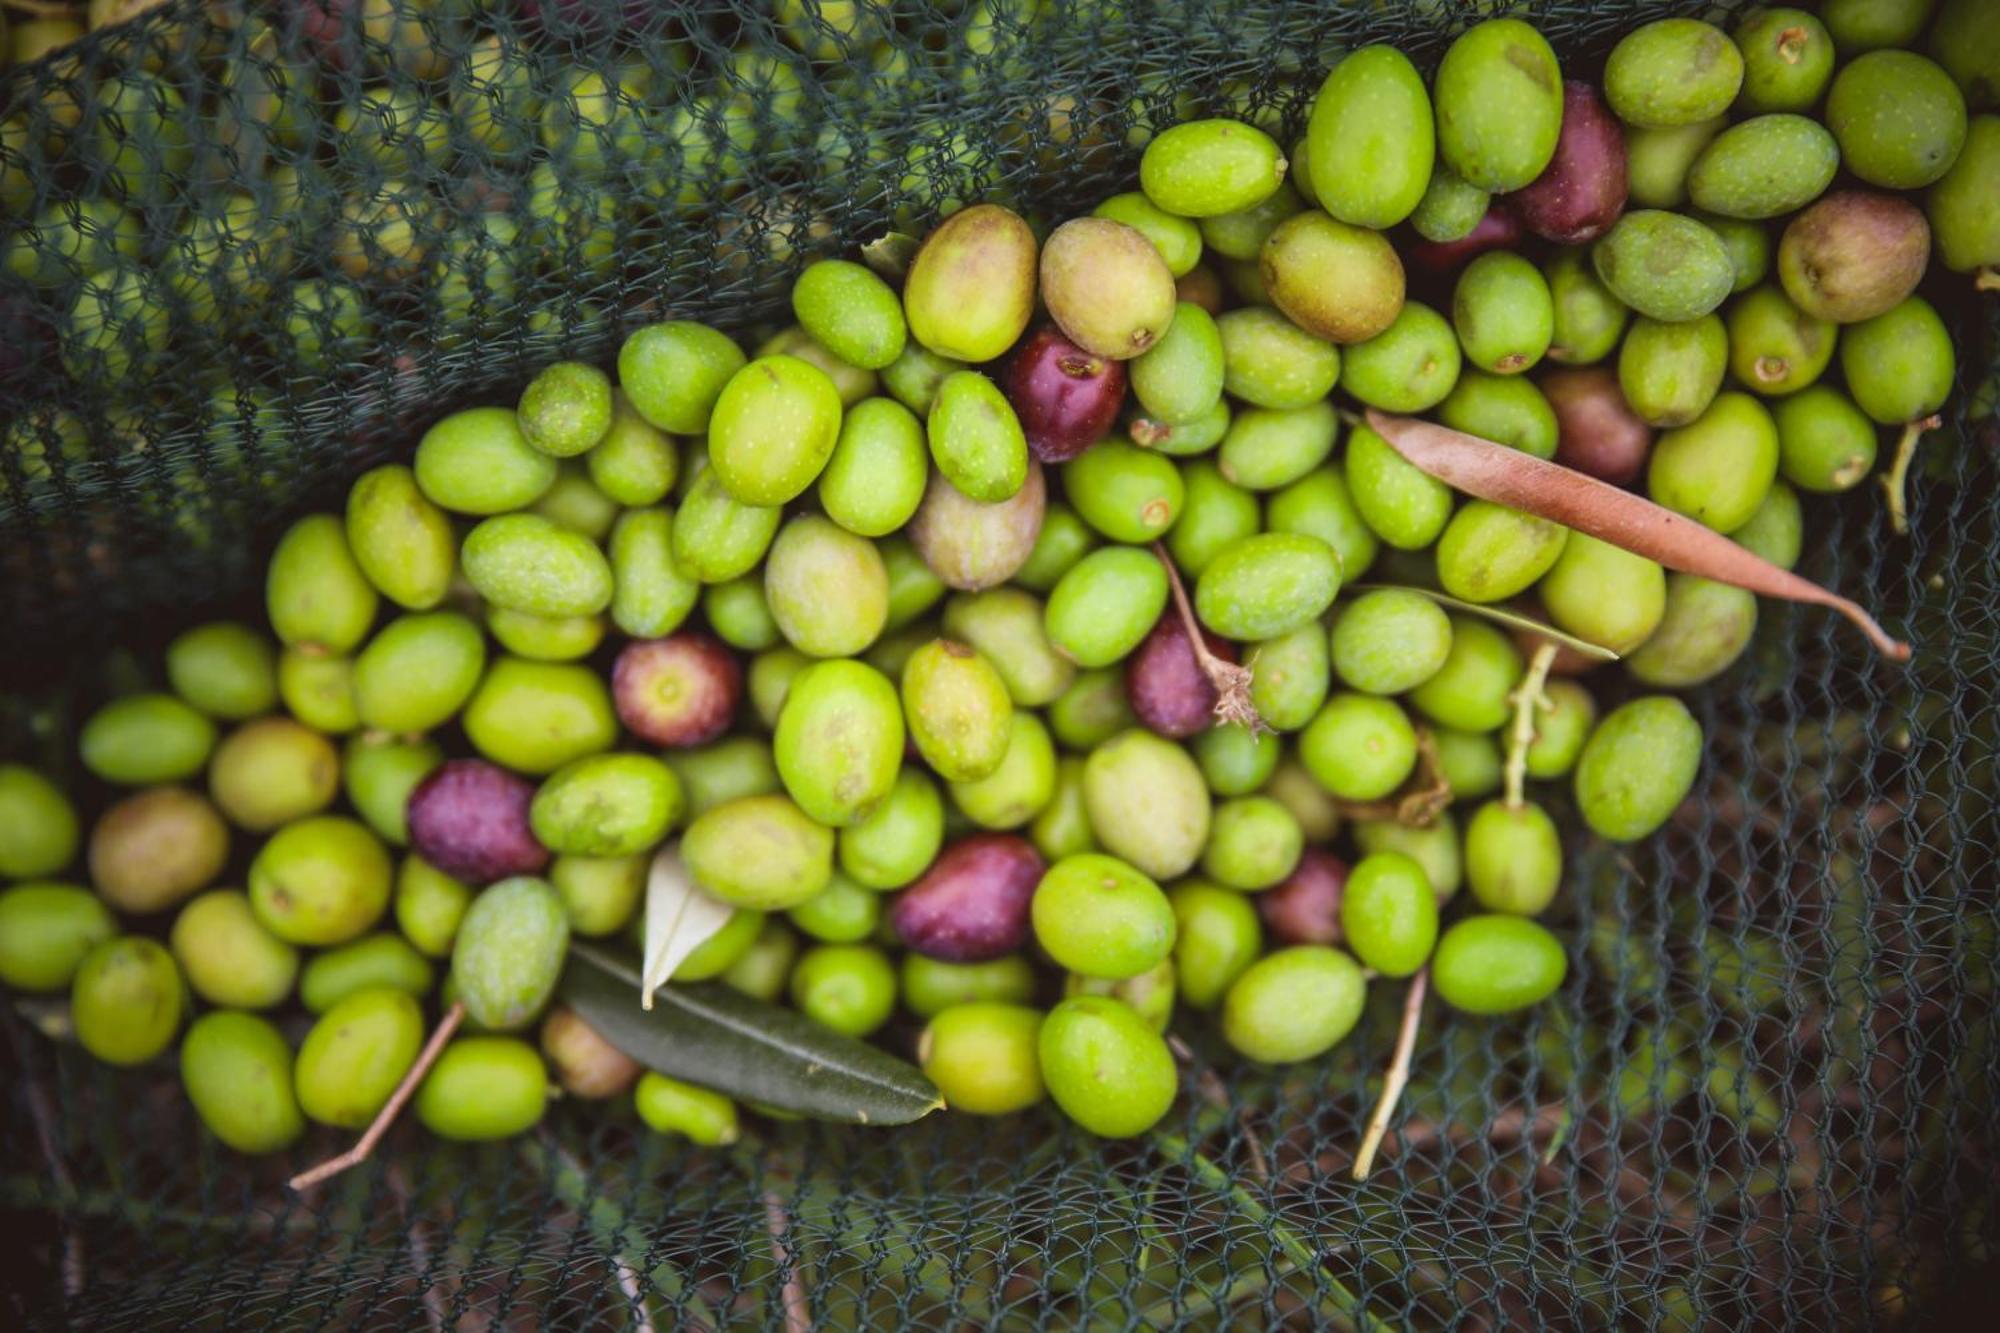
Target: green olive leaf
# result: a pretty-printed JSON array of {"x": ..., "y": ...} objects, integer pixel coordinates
[
  {"x": 1499, "y": 615},
  {"x": 745, "y": 1048}
]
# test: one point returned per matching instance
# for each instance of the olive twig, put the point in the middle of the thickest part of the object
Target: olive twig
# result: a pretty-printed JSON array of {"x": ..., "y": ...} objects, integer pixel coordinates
[
  {"x": 1217, "y": 1096},
  {"x": 1340, "y": 1301},
  {"x": 1398, "y": 1076},
  {"x": 1986, "y": 280},
  {"x": 1528, "y": 699},
  {"x": 1232, "y": 682},
  {"x": 386, "y": 1117},
  {"x": 778, "y": 1221},
  {"x": 43, "y": 1114},
  {"x": 417, "y": 1229},
  {"x": 1895, "y": 484}
]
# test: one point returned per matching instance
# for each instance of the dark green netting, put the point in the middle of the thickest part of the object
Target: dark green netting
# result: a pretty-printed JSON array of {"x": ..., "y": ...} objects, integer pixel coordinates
[{"x": 1765, "y": 1098}]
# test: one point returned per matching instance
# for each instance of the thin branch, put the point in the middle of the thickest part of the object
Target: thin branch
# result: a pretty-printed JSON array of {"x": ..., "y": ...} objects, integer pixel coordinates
[
  {"x": 1340, "y": 1303},
  {"x": 1398, "y": 1076},
  {"x": 1215, "y": 1094},
  {"x": 798, "y": 1314},
  {"x": 1528, "y": 700},
  {"x": 386, "y": 1117},
  {"x": 1232, "y": 682},
  {"x": 1895, "y": 484},
  {"x": 418, "y": 1230},
  {"x": 73, "y": 1275}
]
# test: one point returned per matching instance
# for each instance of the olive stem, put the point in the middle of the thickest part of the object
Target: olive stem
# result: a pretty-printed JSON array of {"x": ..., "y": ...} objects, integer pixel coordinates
[
  {"x": 73, "y": 1273},
  {"x": 1895, "y": 484},
  {"x": 386, "y": 1117},
  {"x": 777, "y": 1220},
  {"x": 1528, "y": 700},
  {"x": 1343, "y": 1300},
  {"x": 1398, "y": 1076},
  {"x": 1216, "y": 1095},
  {"x": 1987, "y": 280},
  {"x": 417, "y": 1230},
  {"x": 1231, "y": 681}
]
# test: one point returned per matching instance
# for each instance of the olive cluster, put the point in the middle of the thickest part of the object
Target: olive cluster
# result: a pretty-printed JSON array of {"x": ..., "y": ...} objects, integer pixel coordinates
[{"x": 1003, "y": 641}]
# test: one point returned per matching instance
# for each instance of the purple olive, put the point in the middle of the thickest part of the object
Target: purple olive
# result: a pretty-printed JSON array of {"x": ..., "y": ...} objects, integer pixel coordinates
[
  {"x": 972, "y": 904},
  {"x": 1066, "y": 398},
  {"x": 1582, "y": 191},
  {"x": 1498, "y": 230},
  {"x": 1168, "y": 689},
  {"x": 470, "y": 820},
  {"x": 1305, "y": 909},
  {"x": 1597, "y": 430},
  {"x": 678, "y": 691}
]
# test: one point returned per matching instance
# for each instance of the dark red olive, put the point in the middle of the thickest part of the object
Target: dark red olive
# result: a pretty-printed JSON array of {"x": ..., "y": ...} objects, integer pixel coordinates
[
  {"x": 1582, "y": 191},
  {"x": 1598, "y": 431},
  {"x": 470, "y": 820},
  {"x": 972, "y": 904},
  {"x": 1166, "y": 685},
  {"x": 678, "y": 691},
  {"x": 1305, "y": 909},
  {"x": 1066, "y": 398},
  {"x": 1498, "y": 230}
]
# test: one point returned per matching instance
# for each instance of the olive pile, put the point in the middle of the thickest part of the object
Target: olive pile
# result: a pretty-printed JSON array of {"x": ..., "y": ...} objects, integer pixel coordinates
[{"x": 996, "y": 641}]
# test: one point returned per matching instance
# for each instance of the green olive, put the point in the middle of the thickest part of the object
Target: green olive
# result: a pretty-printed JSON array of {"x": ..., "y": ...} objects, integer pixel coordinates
[
  {"x": 237, "y": 1070},
  {"x": 483, "y": 1088},
  {"x": 1105, "y": 1068},
  {"x": 984, "y": 1057},
  {"x": 1294, "y": 1004},
  {"x": 1389, "y": 913},
  {"x": 1497, "y": 965},
  {"x": 1101, "y": 917},
  {"x": 1360, "y": 747},
  {"x": 1513, "y": 858}
]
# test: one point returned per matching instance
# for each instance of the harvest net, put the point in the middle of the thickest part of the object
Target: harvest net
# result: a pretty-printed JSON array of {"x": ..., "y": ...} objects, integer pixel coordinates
[{"x": 1766, "y": 1095}]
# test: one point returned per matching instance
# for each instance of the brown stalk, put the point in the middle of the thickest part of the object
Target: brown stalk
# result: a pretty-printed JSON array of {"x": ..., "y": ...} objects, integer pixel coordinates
[
  {"x": 1232, "y": 682},
  {"x": 418, "y": 1231},
  {"x": 386, "y": 1117},
  {"x": 777, "y": 1221},
  {"x": 1398, "y": 1076},
  {"x": 1987, "y": 280},
  {"x": 1215, "y": 1094},
  {"x": 1895, "y": 485},
  {"x": 1548, "y": 490}
]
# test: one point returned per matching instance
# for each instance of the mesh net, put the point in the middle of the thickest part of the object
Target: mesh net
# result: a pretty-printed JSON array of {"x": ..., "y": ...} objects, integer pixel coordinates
[{"x": 1765, "y": 1096}]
